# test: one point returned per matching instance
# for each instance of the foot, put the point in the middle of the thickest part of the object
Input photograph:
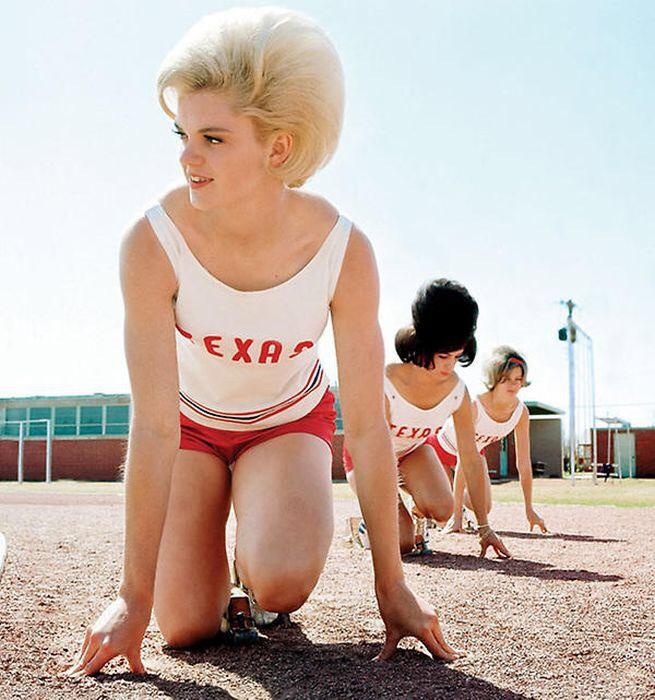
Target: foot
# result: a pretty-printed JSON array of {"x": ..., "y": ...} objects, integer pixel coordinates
[
  {"x": 453, "y": 524},
  {"x": 470, "y": 523},
  {"x": 238, "y": 623},
  {"x": 359, "y": 533}
]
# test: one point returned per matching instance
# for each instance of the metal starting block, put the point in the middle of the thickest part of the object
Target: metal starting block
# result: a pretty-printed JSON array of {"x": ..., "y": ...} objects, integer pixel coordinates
[{"x": 239, "y": 626}]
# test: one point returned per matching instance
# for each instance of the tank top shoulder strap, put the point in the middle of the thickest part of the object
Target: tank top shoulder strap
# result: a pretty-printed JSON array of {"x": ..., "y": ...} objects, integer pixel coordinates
[
  {"x": 518, "y": 412},
  {"x": 460, "y": 389},
  {"x": 334, "y": 249},
  {"x": 389, "y": 389},
  {"x": 167, "y": 234}
]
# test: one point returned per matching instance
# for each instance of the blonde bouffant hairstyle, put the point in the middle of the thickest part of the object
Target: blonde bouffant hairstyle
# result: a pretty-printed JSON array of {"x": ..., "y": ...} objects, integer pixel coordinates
[
  {"x": 502, "y": 360},
  {"x": 276, "y": 66}
]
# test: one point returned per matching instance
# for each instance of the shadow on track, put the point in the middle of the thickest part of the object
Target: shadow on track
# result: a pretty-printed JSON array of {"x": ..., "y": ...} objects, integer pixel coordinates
[
  {"x": 555, "y": 536},
  {"x": 509, "y": 567},
  {"x": 288, "y": 665}
]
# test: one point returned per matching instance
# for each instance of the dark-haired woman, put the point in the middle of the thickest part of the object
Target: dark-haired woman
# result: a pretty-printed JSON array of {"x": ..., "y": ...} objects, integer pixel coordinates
[
  {"x": 496, "y": 413},
  {"x": 421, "y": 393}
]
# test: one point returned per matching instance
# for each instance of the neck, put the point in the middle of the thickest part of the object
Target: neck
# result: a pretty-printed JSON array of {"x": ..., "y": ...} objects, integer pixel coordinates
[
  {"x": 262, "y": 216},
  {"x": 502, "y": 401}
]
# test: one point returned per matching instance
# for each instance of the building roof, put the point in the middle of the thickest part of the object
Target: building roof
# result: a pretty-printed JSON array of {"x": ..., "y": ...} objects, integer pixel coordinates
[
  {"x": 22, "y": 401},
  {"x": 536, "y": 408}
]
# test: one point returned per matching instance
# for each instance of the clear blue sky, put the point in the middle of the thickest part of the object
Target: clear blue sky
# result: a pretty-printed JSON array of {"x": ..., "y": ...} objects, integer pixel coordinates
[{"x": 507, "y": 144}]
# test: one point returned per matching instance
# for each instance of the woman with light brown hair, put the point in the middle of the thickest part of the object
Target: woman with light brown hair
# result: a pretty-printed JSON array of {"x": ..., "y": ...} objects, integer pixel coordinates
[{"x": 497, "y": 412}]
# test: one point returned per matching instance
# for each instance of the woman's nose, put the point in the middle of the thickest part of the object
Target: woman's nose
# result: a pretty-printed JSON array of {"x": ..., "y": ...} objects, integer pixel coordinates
[{"x": 189, "y": 156}]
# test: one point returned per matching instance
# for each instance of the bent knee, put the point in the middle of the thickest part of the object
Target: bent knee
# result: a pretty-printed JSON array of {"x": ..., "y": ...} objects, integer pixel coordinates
[
  {"x": 440, "y": 511},
  {"x": 283, "y": 592},
  {"x": 180, "y": 634},
  {"x": 406, "y": 544}
]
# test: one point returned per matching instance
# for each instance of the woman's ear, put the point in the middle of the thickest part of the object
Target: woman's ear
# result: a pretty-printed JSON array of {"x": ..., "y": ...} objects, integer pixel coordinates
[{"x": 280, "y": 149}]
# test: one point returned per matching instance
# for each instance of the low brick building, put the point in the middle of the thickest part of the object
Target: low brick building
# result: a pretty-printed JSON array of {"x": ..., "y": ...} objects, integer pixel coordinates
[
  {"x": 633, "y": 450},
  {"x": 89, "y": 439},
  {"x": 89, "y": 436}
]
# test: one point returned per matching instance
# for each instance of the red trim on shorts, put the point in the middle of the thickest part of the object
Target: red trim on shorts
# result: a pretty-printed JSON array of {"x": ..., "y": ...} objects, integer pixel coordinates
[
  {"x": 229, "y": 445},
  {"x": 448, "y": 460}
]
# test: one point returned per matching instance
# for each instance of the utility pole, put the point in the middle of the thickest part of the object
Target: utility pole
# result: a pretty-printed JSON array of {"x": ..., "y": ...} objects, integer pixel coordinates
[
  {"x": 569, "y": 334},
  {"x": 570, "y": 340}
]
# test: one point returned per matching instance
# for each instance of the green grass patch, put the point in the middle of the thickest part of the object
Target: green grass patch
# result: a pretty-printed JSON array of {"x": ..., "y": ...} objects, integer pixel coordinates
[
  {"x": 627, "y": 493},
  {"x": 624, "y": 493}
]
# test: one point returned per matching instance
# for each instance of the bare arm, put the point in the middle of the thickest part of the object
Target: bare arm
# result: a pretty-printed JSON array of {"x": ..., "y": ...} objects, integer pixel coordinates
[
  {"x": 469, "y": 460},
  {"x": 148, "y": 284},
  {"x": 360, "y": 357},
  {"x": 361, "y": 365},
  {"x": 524, "y": 465},
  {"x": 477, "y": 477}
]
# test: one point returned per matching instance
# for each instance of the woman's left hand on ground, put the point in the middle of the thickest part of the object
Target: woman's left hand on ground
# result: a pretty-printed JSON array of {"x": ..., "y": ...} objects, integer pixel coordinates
[
  {"x": 535, "y": 520},
  {"x": 406, "y": 615}
]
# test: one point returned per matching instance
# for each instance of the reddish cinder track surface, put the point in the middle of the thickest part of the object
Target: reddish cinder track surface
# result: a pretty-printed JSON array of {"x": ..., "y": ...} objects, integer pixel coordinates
[{"x": 571, "y": 616}]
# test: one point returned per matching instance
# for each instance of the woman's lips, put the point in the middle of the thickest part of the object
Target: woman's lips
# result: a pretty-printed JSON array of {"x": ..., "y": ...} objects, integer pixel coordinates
[{"x": 195, "y": 183}]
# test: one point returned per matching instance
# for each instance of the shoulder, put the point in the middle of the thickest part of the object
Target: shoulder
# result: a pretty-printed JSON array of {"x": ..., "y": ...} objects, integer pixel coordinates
[
  {"x": 392, "y": 369},
  {"x": 314, "y": 205},
  {"x": 358, "y": 284},
  {"x": 143, "y": 259}
]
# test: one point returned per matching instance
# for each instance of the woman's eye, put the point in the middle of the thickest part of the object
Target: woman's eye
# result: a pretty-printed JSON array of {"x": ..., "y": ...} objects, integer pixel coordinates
[
  {"x": 214, "y": 139},
  {"x": 179, "y": 134}
]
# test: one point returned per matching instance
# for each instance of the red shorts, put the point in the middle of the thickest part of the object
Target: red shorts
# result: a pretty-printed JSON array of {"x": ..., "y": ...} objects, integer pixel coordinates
[
  {"x": 448, "y": 460},
  {"x": 228, "y": 445},
  {"x": 348, "y": 465}
]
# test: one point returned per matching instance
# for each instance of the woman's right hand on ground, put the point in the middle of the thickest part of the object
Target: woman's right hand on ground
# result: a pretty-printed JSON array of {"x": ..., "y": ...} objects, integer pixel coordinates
[
  {"x": 118, "y": 631},
  {"x": 488, "y": 538}
]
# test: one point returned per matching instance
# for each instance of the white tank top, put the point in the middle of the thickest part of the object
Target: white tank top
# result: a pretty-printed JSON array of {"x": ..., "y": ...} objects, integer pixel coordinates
[
  {"x": 411, "y": 426},
  {"x": 249, "y": 360},
  {"x": 487, "y": 430}
]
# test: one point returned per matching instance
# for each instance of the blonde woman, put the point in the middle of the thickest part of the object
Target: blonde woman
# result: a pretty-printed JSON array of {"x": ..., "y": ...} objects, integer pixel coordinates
[
  {"x": 228, "y": 283},
  {"x": 497, "y": 412}
]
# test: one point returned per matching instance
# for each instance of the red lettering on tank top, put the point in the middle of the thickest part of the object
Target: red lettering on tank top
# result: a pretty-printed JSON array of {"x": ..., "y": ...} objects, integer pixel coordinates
[
  {"x": 183, "y": 332},
  {"x": 212, "y": 343},
  {"x": 304, "y": 345},
  {"x": 401, "y": 430},
  {"x": 426, "y": 432},
  {"x": 414, "y": 432},
  {"x": 271, "y": 350},
  {"x": 242, "y": 350}
]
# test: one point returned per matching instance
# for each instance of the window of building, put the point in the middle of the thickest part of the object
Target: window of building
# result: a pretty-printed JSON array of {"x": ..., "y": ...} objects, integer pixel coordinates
[
  {"x": 91, "y": 420},
  {"x": 10, "y": 427},
  {"x": 65, "y": 420},
  {"x": 118, "y": 420},
  {"x": 38, "y": 413}
]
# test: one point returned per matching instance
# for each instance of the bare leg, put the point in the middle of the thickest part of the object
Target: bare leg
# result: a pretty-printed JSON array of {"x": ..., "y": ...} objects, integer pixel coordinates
[
  {"x": 188, "y": 608},
  {"x": 425, "y": 480},
  {"x": 282, "y": 493},
  {"x": 405, "y": 522}
]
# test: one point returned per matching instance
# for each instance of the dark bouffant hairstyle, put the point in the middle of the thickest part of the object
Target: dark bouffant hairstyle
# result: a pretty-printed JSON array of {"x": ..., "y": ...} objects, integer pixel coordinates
[{"x": 444, "y": 317}]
